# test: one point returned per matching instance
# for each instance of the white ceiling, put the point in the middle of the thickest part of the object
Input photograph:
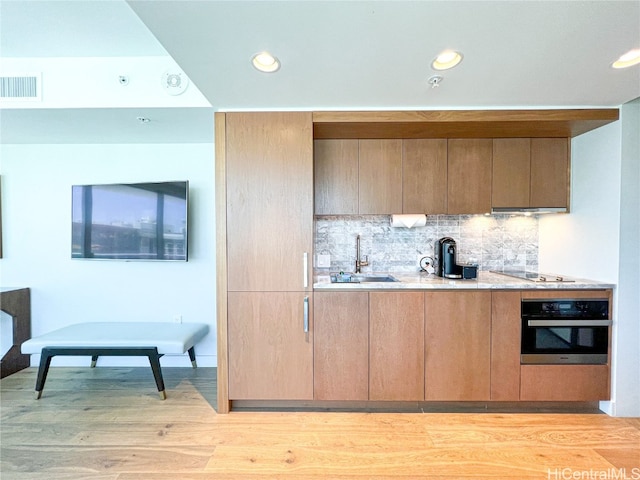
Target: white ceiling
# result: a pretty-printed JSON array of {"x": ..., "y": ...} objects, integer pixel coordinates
[
  {"x": 337, "y": 55},
  {"x": 362, "y": 55}
]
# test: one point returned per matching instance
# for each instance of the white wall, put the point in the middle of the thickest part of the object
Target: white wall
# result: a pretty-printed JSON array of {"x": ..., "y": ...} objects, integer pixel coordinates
[
  {"x": 627, "y": 380},
  {"x": 585, "y": 243},
  {"x": 597, "y": 240},
  {"x": 36, "y": 215}
]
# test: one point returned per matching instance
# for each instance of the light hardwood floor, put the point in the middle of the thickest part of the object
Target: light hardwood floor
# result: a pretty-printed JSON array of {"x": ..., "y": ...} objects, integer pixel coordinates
[{"x": 109, "y": 424}]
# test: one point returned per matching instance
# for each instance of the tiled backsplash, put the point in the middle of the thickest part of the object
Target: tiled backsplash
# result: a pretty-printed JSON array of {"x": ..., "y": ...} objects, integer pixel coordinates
[{"x": 493, "y": 242}]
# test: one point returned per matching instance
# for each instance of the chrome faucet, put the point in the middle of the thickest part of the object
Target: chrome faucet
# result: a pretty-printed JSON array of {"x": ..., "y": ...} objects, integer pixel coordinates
[{"x": 360, "y": 263}]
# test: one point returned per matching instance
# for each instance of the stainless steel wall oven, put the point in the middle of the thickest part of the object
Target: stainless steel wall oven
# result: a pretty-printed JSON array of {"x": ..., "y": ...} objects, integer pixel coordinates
[{"x": 565, "y": 331}]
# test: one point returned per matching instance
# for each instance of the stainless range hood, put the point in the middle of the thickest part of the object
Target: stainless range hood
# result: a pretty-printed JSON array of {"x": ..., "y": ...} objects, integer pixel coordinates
[{"x": 530, "y": 210}]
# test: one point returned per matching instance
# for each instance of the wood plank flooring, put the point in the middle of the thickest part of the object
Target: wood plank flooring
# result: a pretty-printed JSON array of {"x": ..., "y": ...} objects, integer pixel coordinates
[{"x": 110, "y": 424}]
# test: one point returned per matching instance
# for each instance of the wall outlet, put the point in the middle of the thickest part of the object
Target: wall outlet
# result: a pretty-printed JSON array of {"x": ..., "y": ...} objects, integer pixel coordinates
[
  {"x": 177, "y": 318},
  {"x": 323, "y": 261}
]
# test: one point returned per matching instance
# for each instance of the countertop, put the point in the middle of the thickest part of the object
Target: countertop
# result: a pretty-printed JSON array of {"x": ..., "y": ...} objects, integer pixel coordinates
[{"x": 485, "y": 281}]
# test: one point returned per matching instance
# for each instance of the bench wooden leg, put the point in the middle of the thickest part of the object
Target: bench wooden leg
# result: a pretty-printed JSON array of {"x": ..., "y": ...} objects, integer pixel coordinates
[
  {"x": 154, "y": 360},
  {"x": 49, "y": 352},
  {"x": 43, "y": 369},
  {"x": 192, "y": 357}
]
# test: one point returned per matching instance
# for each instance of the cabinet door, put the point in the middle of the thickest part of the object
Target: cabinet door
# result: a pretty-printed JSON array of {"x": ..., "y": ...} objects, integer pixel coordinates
[
  {"x": 380, "y": 176},
  {"x": 564, "y": 383},
  {"x": 549, "y": 172},
  {"x": 505, "y": 346},
  {"x": 336, "y": 177},
  {"x": 269, "y": 200},
  {"x": 424, "y": 176},
  {"x": 396, "y": 346},
  {"x": 457, "y": 345},
  {"x": 511, "y": 172},
  {"x": 469, "y": 176},
  {"x": 341, "y": 346},
  {"x": 270, "y": 354}
]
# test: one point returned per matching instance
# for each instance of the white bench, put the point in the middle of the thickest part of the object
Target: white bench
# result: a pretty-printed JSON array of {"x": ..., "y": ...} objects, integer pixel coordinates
[{"x": 150, "y": 339}]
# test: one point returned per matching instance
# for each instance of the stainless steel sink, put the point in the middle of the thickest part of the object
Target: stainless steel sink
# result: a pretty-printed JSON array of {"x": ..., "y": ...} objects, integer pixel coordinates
[{"x": 360, "y": 278}]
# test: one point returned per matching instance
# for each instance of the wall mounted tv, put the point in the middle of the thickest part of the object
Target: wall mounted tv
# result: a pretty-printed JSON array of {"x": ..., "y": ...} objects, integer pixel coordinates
[{"x": 130, "y": 221}]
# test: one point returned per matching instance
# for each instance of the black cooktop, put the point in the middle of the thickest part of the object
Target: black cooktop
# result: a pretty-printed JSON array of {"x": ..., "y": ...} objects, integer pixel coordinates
[{"x": 533, "y": 276}]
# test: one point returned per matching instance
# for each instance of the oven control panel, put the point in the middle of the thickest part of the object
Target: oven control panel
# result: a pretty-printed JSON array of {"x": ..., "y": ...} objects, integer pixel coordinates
[{"x": 565, "y": 309}]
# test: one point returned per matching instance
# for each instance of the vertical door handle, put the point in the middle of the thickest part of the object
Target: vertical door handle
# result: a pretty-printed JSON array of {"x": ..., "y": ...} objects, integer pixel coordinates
[
  {"x": 305, "y": 270},
  {"x": 305, "y": 309}
]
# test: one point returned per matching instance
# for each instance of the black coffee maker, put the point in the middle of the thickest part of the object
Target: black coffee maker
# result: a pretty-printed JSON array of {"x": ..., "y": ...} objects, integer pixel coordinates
[{"x": 447, "y": 263}]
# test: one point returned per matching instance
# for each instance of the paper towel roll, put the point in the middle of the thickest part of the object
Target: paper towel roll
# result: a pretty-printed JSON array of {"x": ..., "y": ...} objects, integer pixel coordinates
[{"x": 408, "y": 221}]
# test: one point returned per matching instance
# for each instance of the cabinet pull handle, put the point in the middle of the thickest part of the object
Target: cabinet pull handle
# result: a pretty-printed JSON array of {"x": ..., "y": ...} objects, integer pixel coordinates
[
  {"x": 305, "y": 309},
  {"x": 305, "y": 270}
]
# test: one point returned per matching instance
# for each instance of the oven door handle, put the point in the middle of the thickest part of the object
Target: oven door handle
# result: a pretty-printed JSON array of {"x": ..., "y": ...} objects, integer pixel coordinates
[{"x": 569, "y": 323}]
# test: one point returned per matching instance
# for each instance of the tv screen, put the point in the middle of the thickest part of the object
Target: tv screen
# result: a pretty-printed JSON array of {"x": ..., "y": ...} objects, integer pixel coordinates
[{"x": 134, "y": 221}]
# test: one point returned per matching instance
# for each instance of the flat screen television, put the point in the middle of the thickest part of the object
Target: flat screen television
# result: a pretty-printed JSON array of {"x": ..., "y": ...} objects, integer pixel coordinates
[{"x": 130, "y": 221}]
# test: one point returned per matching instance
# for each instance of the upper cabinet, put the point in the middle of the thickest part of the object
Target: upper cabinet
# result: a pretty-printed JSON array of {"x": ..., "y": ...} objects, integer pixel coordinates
[
  {"x": 469, "y": 177},
  {"x": 358, "y": 177},
  {"x": 440, "y": 176},
  {"x": 380, "y": 176},
  {"x": 335, "y": 164},
  {"x": 549, "y": 172},
  {"x": 530, "y": 173},
  {"x": 511, "y": 172},
  {"x": 452, "y": 162},
  {"x": 424, "y": 175}
]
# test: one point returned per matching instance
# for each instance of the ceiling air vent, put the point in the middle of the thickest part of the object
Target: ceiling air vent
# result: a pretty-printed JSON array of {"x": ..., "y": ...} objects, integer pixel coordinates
[{"x": 20, "y": 87}]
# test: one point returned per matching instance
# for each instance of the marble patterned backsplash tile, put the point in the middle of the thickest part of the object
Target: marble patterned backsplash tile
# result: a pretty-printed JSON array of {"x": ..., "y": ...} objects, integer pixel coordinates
[{"x": 493, "y": 242}]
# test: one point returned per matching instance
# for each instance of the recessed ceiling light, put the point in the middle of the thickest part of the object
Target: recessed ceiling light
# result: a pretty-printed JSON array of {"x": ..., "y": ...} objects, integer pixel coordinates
[
  {"x": 265, "y": 62},
  {"x": 447, "y": 59},
  {"x": 629, "y": 59}
]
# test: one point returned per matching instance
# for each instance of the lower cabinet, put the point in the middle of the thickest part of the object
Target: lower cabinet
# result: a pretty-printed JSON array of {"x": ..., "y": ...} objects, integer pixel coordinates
[
  {"x": 270, "y": 354},
  {"x": 396, "y": 346},
  {"x": 369, "y": 346},
  {"x": 341, "y": 346},
  {"x": 455, "y": 345},
  {"x": 505, "y": 345},
  {"x": 458, "y": 345},
  {"x": 565, "y": 383}
]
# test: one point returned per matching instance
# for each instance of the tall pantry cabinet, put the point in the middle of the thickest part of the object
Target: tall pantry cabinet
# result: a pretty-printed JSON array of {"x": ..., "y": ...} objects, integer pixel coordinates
[{"x": 267, "y": 166}]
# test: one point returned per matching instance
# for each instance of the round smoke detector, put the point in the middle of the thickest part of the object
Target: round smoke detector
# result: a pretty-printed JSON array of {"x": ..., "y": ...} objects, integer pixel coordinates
[{"x": 174, "y": 82}]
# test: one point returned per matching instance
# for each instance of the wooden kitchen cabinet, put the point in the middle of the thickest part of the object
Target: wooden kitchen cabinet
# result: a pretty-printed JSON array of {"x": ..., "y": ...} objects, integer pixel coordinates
[
  {"x": 469, "y": 175},
  {"x": 358, "y": 177},
  {"x": 511, "y": 179},
  {"x": 550, "y": 172},
  {"x": 336, "y": 177},
  {"x": 270, "y": 354},
  {"x": 269, "y": 172},
  {"x": 505, "y": 345},
  {"x": 380, "y": 176},
  {"x": 267, "y": 161},
  {"x": 565, "y": 383},
  {"x": 458, "y": 345},
  {"x": 396, "y": 346},
  {"x": 341, "y": 346},
  {"x": 530, "y": 172},
  {"x": 424, "y": 176}
]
